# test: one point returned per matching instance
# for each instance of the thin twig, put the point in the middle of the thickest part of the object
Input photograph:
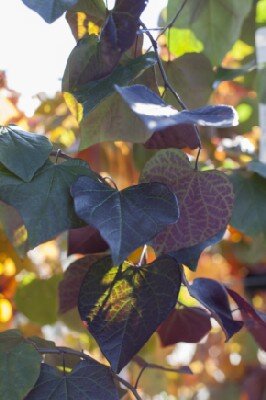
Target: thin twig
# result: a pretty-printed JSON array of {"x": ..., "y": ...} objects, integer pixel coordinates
[
  {"x": 81, "y": 355},
  {"x": 139, "y": 376},
  {"x": 60, "y": 154},
  {"x": 171, "y": 23},
  {"x": 167, "y": 84}
]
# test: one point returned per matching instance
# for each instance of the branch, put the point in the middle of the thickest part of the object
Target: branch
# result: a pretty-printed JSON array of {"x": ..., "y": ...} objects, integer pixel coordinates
[
  {"x": 64, "y": 350},
  {"x": 171, "y": 23},
  {"x": 60, "y": 154}
]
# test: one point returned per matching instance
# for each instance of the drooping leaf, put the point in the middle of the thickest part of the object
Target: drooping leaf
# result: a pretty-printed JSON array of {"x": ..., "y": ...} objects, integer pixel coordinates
[
  {"x": 69, "y": 287},
  {"x": 117, "y": 35},
  {"x": 19, "y": 366},
  {"x": 85, "y": 240},
  {"x": 249, "y": 207},
  {"x": 91, "y": 95},
  {"x": 216, "y": 23},
  {"x": 89, "y": 380},
  {"x": 157, "y": 115},
  {"x": 188, "y": 325},
  {"x": 44, "y": 204},
  {"x": 254, "y": 321},
  {"x": 50, "y": 10},
  {"x": 178, "y": 137},
  {"x": 212, "y": 295},
  {"x": 205, "y": 201},
  {"x": 187, "y": 79},
  {"x": 190, "y": 255},
  {"x": 37, "y": 299},
  {"x": 21, "y": 152},
  {"x": 127, "y": 304},
  {"x": 126, "y": 219}
]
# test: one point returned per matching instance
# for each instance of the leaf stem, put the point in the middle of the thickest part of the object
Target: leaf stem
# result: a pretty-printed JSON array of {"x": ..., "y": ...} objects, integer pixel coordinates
[
  {"x": 172, "y": 22},
  {"x": 59, "y": 153}
]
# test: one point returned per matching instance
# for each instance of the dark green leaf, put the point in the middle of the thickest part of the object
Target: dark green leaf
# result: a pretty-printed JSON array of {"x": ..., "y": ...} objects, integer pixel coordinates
[
  {"x": 23, "y": 153},
  {"x": 50, "y": 10},
  {"x": 126, "y": 219},
  {"x": 89, "y": 380},
  {"x": 19, "y": 366},
  {"x": 44, "y": 204},
  {"x": 127, "y": 304},
  {"x": 228, "y": 74}
]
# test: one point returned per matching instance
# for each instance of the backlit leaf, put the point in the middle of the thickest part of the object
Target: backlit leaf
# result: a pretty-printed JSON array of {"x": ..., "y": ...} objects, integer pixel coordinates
[
  {"x": 19, "y": 366},
  {"x": 212, "y": 295},
  {"x": 85, "y": 240},
  {"x": 50, "y": 10},
  {"x": 126, "y": 219},
  {"x": 127, "y": 304},
  {"x": 69, "y": 287},
  {"x": 17, "y": 147},
  {"x": 188, "y": 325},
  {"x": 205, "y": 201},
  {"x": 89, "y": 380},
  {"x": 44, "y": 204}
]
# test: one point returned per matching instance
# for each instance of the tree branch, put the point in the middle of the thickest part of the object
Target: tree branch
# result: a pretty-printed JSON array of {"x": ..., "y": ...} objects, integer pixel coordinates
[{"x": 171, "y": 23}]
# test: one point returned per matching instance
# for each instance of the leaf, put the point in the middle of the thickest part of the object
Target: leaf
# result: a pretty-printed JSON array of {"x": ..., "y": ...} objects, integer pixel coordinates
[
  {"x": 157, "y": 115},
  {"x": 190, "y": 255},
  {"x": 19, "y": 366},
  {"x": 213, "y": 296},
  {"x": 254, "y": 321},
  {"x": 126, "y": 219},
  {"x": 258, "y": 167},
  {"x": 127, "y": 304},
  {"x": 205, "y": 201},
  {"x": 89, "y": 380},
  {"x": 85, "y": 240},
  {"x": 216, "y": 23},
  {"x": 249, "y": 206},
  {"x": 194, "y": 85},
  {"x": 117, "y": 35},
  {"x": 37, "y": 299},
  {"x": 228, "y": 74},
  {"x": 188, "y": 325},
  {"x": 179, "y": 137},
  {"x": 18, "y": 147},
  {"x": 44, "y": 204},
  {"x": 91, "y": 95},
  {"x": 50, "y": 10},
  {"x": 183, "y": 41},
  {"x": 68, "y": 289}
]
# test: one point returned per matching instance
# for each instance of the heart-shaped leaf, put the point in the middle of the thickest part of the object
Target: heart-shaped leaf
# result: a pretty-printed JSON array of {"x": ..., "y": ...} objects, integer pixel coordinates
[
  {"x": 156, "y": 114},
  {"x": 178, "y": 137},
  {"x": 188, "y": 325},
  {"x": 19, "y": 366},
  {"x": 17, "y": 147},
  {"x": 50, "y": 10},
  {"x": 205, "y": 201},
  {"x": 212, "y": 295},
  {"x": 126, "y": 219},
  {"x": 89, "y": 380},
  {"x": 85, "y": 240},
  {"x": 44, "y": 204},
  {"x": 127, "y": 304},
  {"x": 190, "y": 255},
  {"x": 69, "y": 287}
]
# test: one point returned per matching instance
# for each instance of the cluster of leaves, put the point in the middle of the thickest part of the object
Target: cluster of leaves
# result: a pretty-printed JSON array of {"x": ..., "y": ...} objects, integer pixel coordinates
[{"x": 176, "y": 208}]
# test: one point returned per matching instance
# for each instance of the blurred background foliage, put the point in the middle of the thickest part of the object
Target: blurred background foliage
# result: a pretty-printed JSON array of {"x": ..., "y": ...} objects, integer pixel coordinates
[{"x": 202, "y": 74}]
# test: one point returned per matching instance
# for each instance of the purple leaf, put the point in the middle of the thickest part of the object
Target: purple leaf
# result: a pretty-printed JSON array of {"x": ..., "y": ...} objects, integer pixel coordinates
[
  {"x": 253, "y": 320},
  {"x": 68, "y": 288},
  {"x": 85, "y": 240},
  {"x": 205, "y": 201},
  {"x": 190, "y": 255},
  {"x": 212, "y": 295},
  {"x": 157, "y": 115},
  {"x": 179, "y": 137},
  {"x": 127, "y": 304},
  {"x": 126, "y": 219},
  {"x": 188, "y": 325}
]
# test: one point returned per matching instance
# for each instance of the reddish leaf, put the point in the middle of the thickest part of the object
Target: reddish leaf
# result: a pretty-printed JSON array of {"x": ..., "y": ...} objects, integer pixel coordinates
[
  {"x": 179, "y": 136},
  {"x": 205, "y": 200},
  {"x": 254, "y": 321},
  {"x": 188, "y": 325},
  {"x": 212, "y": 295},
  {"x": 69, "y": 287},
  {"x": 85, "y": 240}
]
